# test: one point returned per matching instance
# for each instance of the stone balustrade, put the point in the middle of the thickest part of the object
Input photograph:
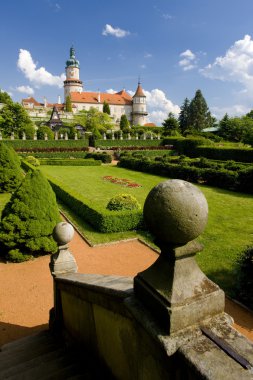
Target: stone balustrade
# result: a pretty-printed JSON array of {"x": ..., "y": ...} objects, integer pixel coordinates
[{"x": 167, "y": 322}]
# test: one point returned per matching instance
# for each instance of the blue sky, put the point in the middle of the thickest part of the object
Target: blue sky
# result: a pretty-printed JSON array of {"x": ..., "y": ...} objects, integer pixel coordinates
[{"x": 176, "y": 47}]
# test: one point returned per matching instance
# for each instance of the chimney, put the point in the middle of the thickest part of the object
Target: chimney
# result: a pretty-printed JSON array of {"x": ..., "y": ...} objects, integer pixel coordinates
[{"x": 59, "y": 99}]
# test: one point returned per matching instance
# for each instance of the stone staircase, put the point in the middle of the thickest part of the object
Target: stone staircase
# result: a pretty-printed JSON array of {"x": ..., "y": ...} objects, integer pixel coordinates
[{"x": 42, "y": 356}]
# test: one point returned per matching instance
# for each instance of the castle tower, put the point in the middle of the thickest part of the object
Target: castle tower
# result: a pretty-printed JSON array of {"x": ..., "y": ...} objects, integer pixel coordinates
[
  {"x": 72, "y": 82},
  {"x": 139, "y": 112}
]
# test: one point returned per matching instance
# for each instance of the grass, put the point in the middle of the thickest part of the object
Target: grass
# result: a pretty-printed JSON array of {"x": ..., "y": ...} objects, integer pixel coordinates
[
  {"x": 230, "y": 225},
  {"x": 4, "y": 198}
]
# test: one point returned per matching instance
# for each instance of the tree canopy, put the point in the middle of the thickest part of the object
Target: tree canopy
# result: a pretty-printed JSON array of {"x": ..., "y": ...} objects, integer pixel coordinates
[
  {"x": 68, "y": 105},
  {"x": 95, "y": 121},
  {"x": 124, "y": 123},
  {"x": 199, "y": 114},
  {"x": 13, "y": 118},
  {"x": 170, "y": 125},
  {"x": 183, "y": 118},
  {"x": 106, "y": 108},
  {"x": 5, "y": 97}
]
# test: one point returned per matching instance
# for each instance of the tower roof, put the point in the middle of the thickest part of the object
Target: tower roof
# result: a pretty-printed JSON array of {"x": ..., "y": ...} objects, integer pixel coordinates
[
  {"x": 139, "y": 91},
  {"x": 72, "y": 61}
]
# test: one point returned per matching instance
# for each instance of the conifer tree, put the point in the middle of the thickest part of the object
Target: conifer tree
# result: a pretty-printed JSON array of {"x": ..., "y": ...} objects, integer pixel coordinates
[
  {"x": 28, "y": 219},
  {"x": 124, "y": 123},
  {"x": 68, "y": 104},
  {"x": 199, "y": 114},
  {"x": 170, "y": 125},
  {"x": 184, "y": 116},
  {"x": 10, "y": 172},
  {"x": 106, "y": 108}
]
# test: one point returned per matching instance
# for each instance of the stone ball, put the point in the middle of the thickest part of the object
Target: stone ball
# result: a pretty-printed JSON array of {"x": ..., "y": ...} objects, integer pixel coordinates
[
  {"x": 175, "y": 211},
  {"x": 63, "y": 233}
]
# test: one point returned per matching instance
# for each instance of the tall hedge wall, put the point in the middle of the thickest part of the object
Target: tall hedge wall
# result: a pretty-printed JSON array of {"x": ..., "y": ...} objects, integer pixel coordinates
[
  {"x": 46, "y": 144},
  {"x": 114, "y": 144}
]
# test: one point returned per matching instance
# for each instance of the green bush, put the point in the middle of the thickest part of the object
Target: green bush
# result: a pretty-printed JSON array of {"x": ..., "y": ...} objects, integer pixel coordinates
[
  {"x": 70, "y": 162},
  {"x": 245, "y": 180},
  {"x": 104, "y": 157},
  {"x": 42, "y": 131},
  {"x": 245, "y": 278},
  {"x": 123, "y": 202},
  {"x": 10, "y": 172},
  {"x": 28, "y": 219},
  {"x": 32, "y": 160}
]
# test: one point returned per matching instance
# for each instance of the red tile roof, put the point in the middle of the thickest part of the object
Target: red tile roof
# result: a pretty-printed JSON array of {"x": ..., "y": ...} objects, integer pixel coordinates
[
  {"x": 139, "y": 91},
  {"x": 122, "y": 97},
  {"x": 149, "y": 125},
  {"x": 32, "y": 100}
]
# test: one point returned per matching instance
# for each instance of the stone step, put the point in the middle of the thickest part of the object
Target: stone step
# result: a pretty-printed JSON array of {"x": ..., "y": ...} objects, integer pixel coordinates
[
  {"x": 36, "y": 362},
  {"x": 43, "y": 357},
  {"x": 19, "y": 344},
  {"x": 11, "y": 359}
]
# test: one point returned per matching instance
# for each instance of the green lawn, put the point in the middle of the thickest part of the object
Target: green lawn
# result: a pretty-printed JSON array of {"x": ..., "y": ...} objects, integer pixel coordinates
[
  {"x": 230, "y": 224},
  {"x": 4, "y": 198}
]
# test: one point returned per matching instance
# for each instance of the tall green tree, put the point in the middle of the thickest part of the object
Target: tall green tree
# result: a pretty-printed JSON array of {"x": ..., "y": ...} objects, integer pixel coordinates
[
  {"x": 68, "y": 105},
  {"x": 28, "y": 219},
  {"x": 14, "y": 117},
  {"x": 95, "y": 121},
  {"x": 124, "y": 123},
  {"x": 5, "y": 97},
  {"x": 106, "y": 108},
  {"x": 184, "y": 116},
  {"x": 199, "y": 114},
  {"x": 170, "y": 125},
  {"x": 10, "y": 172}
]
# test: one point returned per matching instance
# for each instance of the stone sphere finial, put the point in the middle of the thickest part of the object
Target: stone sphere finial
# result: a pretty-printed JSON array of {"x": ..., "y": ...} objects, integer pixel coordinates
[
  {"x": 176, "y": 211},
  {"x": 63, "y": 233}
]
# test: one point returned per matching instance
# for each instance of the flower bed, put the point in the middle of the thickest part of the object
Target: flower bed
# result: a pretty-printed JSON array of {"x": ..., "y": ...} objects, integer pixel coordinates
[{"x": 121, "y": 181}]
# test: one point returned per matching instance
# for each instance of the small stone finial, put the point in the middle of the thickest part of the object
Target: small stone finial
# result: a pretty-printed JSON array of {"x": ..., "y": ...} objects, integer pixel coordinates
[
  {"x": 63, "y": 261},
  {"x": 63, "y": 233},
  {"x": 174, "y": 288}
]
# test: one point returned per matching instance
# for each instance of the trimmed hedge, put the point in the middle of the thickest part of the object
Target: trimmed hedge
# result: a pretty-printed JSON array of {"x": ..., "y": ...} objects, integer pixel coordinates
[
  {"x": 104, "y": 157},
  {"x": 223, "y": 153},
  {"x": 101, "y": 219},
  {"x": 241, "y": 180},
  {"x": 57, "y": 154},
  {"x": 45, "y": 144},
  {"x": 116, "y": 144},
  {"x": 66, "y": 162}
]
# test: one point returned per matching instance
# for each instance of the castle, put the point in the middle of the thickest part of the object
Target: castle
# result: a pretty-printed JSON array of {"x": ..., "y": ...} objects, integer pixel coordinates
[{"x": 120, "y": 103}]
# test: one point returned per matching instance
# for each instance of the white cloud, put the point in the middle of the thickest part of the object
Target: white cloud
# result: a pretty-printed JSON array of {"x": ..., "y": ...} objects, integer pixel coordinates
[
  {"x": 38, "y": 76},
  {"x": 143, "y": 66},
  {"x": 111, "y": 91},
  {"x": 167, "y": 16},
  {"x": 235, "y": 66},
  {"x": 158, "y": 105},
  {"x": 188, "y": 61},
  {"x": 148, "y": 55},
  {"x": 25, "y": 90},
  {"x": 116, "y": 32},
  {"x": 234, "y": 110}
]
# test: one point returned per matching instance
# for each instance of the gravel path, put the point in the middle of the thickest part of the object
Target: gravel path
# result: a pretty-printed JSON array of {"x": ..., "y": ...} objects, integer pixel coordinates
[{"x": 26, "y": 289}]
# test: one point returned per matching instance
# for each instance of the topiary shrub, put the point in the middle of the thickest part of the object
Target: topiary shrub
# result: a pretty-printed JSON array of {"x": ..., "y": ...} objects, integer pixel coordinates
[
  {"x": 28, "y": 220},
  {"x": 10, "y": 172},
  {"x": 32, "y": 160},
  {"x": 123, "y": 202},
  {"x": 245, "y": 278}
]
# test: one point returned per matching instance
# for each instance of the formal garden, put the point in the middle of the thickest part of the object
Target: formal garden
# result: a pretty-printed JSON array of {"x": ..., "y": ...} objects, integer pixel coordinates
[{"x": 105, "y": 201}]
